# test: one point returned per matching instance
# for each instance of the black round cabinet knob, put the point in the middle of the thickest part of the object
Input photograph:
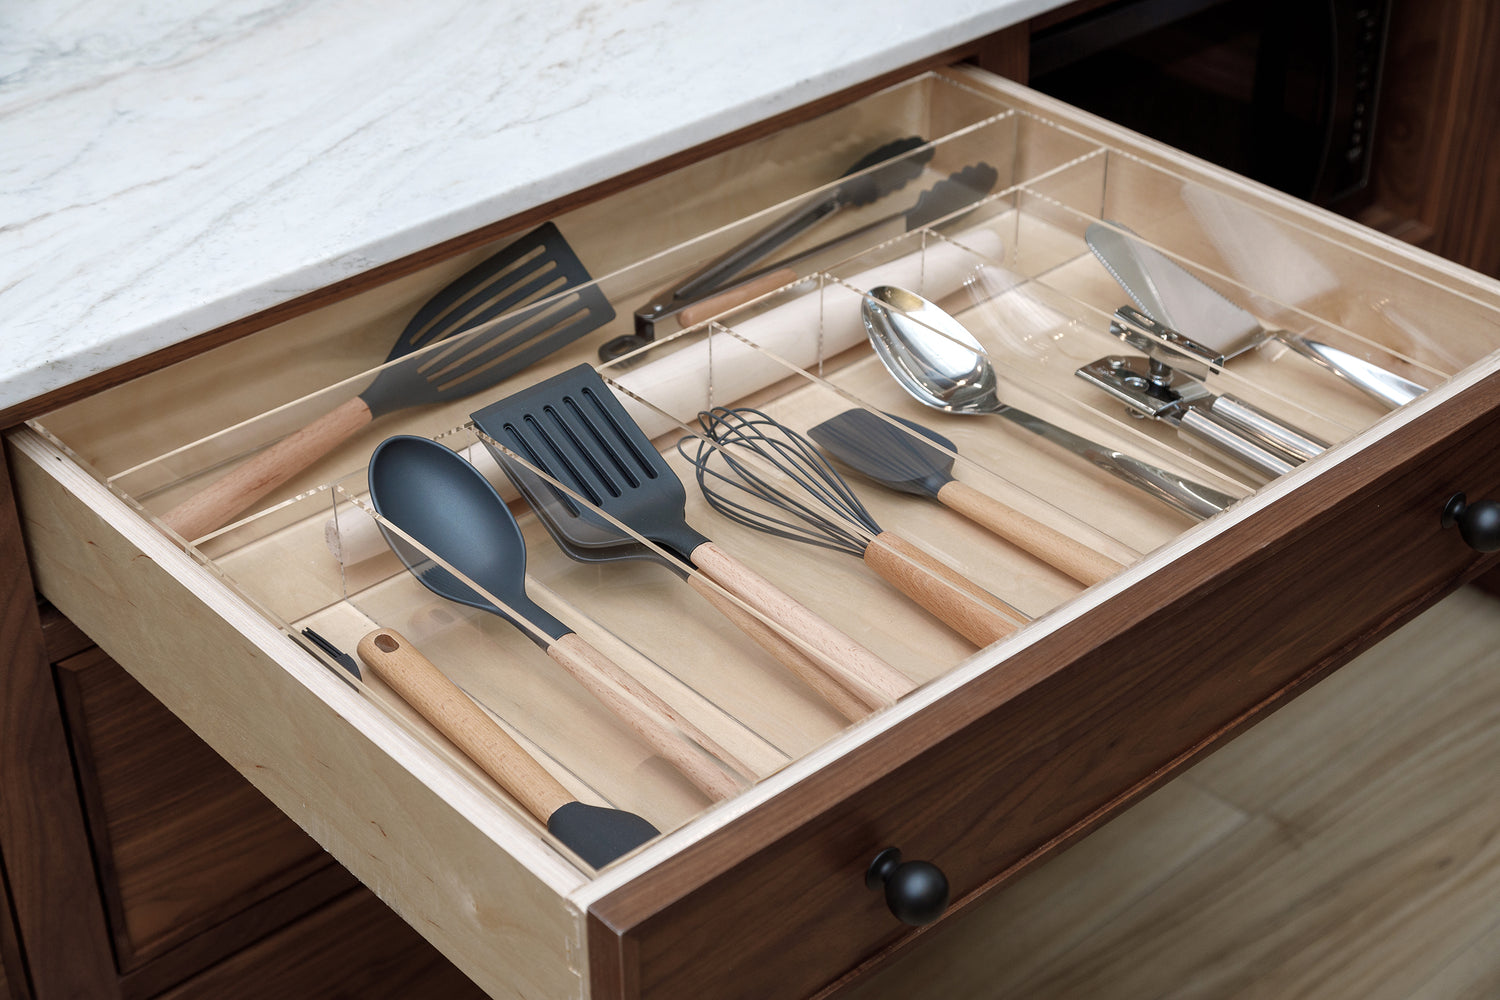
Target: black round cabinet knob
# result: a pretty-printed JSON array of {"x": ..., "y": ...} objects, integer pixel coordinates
[
  {"x": 1478, "y": 522},
  {"x": 915, "y": 891}
]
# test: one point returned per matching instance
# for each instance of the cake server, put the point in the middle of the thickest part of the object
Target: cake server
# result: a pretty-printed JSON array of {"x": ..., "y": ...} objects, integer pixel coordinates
[{"x": 1213, "y": 329}]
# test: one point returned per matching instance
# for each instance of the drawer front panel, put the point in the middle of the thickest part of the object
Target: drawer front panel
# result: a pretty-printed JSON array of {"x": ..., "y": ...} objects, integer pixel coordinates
[{"x": 1069, "y": 730}]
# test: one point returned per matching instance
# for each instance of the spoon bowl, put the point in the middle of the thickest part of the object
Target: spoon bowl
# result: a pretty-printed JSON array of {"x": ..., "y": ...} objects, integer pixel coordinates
[{"x": 932, "y": 355}]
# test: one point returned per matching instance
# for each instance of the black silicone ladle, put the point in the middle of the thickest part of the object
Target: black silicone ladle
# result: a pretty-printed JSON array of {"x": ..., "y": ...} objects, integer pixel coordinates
[{"x": 452, "y": 512}]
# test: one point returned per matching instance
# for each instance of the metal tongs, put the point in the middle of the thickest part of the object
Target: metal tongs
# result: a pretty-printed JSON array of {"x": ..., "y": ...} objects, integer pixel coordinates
[
  {"x": 1165, "y": 386},
  {"x": 726, "y": 282}
]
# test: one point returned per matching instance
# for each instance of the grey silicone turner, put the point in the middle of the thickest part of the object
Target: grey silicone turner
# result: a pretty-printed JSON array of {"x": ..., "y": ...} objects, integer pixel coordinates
[
  {"x": 538, "y": 295},
  {"x": 585, "y": 536}
]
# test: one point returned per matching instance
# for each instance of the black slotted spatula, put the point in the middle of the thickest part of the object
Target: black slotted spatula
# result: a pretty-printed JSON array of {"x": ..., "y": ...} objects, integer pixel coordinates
[
  {"x": 587, "y": 537},
  {"x": 521, "y": 304},
  {"x": 572, "y": 428}
]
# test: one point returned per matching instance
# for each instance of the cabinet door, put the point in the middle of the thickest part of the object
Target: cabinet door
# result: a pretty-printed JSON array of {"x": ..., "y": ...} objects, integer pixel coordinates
[{"x": 182, "y": 843}]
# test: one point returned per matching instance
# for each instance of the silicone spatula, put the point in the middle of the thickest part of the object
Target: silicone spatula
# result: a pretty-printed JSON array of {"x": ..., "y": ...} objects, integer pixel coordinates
[{"x": 596, "y": 834}]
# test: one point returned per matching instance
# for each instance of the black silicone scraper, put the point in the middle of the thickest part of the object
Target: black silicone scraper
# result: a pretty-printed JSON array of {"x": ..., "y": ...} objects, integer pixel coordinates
[
  {"x": 523, "y": 303},
  {"x": 572, "y": 428},
  {"x": 596, "y": 834},
  {"x": 908, "y": 457}
]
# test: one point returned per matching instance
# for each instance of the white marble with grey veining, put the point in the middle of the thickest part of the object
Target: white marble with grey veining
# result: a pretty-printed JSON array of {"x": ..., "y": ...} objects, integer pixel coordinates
[{"x": 166, "y": 168}]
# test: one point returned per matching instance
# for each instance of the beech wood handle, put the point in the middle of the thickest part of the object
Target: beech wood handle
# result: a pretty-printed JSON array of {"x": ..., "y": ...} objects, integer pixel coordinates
[
  {"x": 659, "y": 725},
  {"x": 1048, "y": 544},
  {"x": 231, "y": 493},
  {"x": 866, "y": 675},
  {"x": 794, "y": 659},
  {"x": 438, "y": 700},
  {"x": 957, "y": 602},
  {"x": 738, "y": 295}
]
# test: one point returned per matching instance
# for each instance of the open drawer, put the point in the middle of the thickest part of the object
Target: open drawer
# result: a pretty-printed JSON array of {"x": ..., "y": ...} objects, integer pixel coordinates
[{"x": 985, "y": 747}]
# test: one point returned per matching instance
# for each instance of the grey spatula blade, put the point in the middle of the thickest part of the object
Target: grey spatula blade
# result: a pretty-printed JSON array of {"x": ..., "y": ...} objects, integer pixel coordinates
[
  {"x": 902, "y": 459},
  {"x": 573, "y": 428},
  {"x": 547, "y": 300},
  {"x": 580, "y": 532}
]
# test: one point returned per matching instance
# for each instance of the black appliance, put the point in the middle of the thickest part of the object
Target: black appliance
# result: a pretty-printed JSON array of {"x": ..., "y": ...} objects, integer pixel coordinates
[{"x": 1283, "y": 91}]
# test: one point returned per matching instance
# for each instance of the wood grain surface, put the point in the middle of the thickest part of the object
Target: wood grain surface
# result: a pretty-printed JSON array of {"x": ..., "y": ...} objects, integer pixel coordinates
[
  {"x": 1436, "y": 169},
  {"x": 354, "y": 947},
  {"x": 10, "y": 952},
  {"x": 1070, "y": 730},
  {"x": 1344, "y": 849},
  {"x": 47, "y": 864},
  {"x": 268, "y": 709},
  {"x": 437, "y": 699},
  {"x": 182, "y": 843}
]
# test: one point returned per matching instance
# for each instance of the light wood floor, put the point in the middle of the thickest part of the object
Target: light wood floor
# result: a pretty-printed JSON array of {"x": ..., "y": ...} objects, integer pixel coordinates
[{"x": 1348, "y": 848}]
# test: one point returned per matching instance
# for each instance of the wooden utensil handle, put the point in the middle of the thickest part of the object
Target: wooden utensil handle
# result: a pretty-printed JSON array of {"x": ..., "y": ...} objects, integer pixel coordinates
[
  {"x": 438, "y": 700},
  {"x": 799, "y": 663},
  {"x": 1049, "y": 545},
  {"x": 659, "y": 725},
  {"x": 869, "y": 677},
  {"x": 736, "y": 296},
  {"x": 233, "y": 492},
  {"x": 963, "y": 606}
]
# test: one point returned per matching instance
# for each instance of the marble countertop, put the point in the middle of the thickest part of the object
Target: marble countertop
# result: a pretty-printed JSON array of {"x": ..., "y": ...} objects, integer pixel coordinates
[{"x": 169, "y": 168}]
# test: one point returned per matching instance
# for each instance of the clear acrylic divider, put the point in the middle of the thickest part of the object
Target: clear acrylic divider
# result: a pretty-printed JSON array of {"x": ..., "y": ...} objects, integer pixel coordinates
[{"x": 1286, "y": 275}]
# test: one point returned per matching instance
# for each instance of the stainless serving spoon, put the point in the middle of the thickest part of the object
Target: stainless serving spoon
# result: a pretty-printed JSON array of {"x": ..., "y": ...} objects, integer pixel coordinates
[{"x": 939, "y": 362}]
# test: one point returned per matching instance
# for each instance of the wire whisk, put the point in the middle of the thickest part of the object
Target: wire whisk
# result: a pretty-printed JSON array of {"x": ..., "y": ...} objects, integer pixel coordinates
[
  {"x": 831, "y": 517},
  {"x": 760, "y": 473}
]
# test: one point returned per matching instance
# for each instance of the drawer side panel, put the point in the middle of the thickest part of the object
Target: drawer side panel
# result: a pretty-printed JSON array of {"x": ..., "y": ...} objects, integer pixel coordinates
[{"x": 413, "y": 831}]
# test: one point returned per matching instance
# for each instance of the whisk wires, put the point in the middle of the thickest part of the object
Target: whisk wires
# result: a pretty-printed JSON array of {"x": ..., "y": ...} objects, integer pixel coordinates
[{"x": 740, "y": 446}]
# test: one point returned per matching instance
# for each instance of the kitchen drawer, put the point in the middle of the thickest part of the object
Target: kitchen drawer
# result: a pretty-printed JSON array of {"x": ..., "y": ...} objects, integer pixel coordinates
[{"x": 998, "y": 756}]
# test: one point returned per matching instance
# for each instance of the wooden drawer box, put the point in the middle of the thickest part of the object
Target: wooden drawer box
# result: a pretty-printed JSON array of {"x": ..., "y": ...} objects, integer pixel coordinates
[{"x": 999, "y": 756}]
